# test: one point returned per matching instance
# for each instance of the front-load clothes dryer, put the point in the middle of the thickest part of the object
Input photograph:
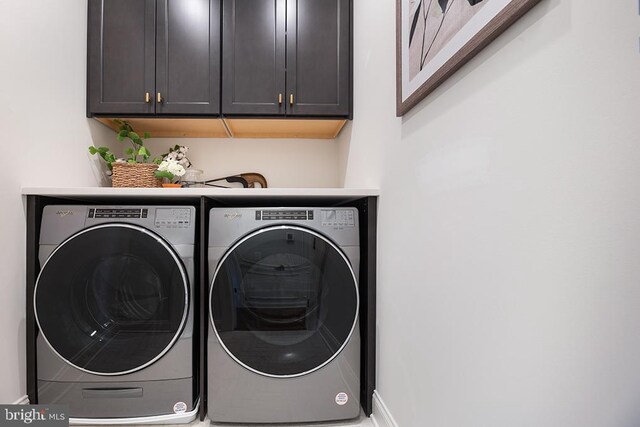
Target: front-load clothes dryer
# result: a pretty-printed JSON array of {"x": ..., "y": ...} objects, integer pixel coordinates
[
  {"x": 113, "y": 304},
  {"x": 283, "y": 338}
]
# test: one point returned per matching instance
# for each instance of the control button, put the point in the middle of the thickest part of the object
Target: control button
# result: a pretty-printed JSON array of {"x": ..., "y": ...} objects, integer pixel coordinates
[
  {"x": 258, "y": 215},
  {"x": 310, "y": 215}
]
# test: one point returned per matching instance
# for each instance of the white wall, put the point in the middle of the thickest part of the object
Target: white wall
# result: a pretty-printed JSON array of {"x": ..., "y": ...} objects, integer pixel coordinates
[
  {"x": 283, "y": 162},
  {"x": 45, "y": 135},
  {"x": 509, "y": 230},
  {"x": 12, "y": 276}
]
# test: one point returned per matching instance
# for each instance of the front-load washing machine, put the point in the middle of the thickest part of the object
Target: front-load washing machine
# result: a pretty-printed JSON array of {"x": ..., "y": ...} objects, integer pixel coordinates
[
  {"x": 113, "y": 304},
  {"x": 283, "y": 338}
]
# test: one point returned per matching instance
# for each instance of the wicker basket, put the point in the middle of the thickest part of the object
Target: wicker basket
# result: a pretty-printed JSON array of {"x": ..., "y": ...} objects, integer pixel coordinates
[{"x": 134, "y": 175}]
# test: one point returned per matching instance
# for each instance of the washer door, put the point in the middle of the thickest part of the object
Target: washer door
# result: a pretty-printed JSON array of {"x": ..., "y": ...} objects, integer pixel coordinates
[
  {"x": 284, "y": 301},
  {"x": 112, "y": 299}
]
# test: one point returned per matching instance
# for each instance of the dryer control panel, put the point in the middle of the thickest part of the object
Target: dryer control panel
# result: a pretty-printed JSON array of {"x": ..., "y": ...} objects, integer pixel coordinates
[
  {"x": 339, "y": 223},
  {"x": 279, "y": 215},
  {"x": 328, "y": 217}
]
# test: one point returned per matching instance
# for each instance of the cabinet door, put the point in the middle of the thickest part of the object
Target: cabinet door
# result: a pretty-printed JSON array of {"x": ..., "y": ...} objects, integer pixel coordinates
[
  {"x": 318, "y": 57},
  {"x": 253, "y": 63},
  {"x": 188, "y": 57},
  {"x": 121, "y": 56}
]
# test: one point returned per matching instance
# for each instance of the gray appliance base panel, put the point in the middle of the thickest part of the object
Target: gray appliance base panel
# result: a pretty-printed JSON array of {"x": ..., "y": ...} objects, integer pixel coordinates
[{"x": 119, "y": 400}]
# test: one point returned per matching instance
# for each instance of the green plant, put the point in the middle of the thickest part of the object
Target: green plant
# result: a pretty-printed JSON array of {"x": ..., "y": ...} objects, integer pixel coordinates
[
  {"x": 105, "y": 153},
  {"x": 137, "y": 153}
]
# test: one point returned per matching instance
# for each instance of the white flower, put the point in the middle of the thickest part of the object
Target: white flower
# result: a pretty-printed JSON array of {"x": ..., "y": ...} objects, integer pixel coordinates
[
  {"x": 177, "y": 170},
  {"x": 176, "y": 161},
  {"x": 180, "y": 155},
  {"x": 171, "y": 166}
]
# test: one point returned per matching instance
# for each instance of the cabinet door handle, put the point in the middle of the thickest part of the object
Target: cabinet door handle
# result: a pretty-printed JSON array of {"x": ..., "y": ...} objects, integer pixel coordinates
[
  {"x": 147, "y": 97},
  {"x": 279, "y": 99},
  {"x": 160, "y": 99},
  {"x": 291, "y": 99}
]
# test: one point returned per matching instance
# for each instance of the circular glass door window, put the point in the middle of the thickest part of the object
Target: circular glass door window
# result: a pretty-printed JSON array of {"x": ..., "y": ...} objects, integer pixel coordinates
[
  {"x": 284, "y": 301},
  {"x": 112, "y": 299}
]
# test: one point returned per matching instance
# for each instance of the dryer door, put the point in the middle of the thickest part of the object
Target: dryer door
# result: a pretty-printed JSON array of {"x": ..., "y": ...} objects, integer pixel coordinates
[
  {"x": 112, "y": 299},
  {"x": 284, "y": 301}
]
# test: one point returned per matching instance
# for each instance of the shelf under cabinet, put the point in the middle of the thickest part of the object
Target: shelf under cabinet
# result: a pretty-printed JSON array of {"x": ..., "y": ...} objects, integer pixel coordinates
[
  {"x": 282, "y": 128},
  {"x": 233, "y": 128},
  {"x": 173, "y": 128}
]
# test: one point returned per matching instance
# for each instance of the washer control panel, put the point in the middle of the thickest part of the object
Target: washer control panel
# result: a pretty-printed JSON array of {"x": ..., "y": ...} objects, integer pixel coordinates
[
  {"x": 172, "y": 218},
  {"x": 337, "y": 218},
  {"x": 118, "y": 213}
]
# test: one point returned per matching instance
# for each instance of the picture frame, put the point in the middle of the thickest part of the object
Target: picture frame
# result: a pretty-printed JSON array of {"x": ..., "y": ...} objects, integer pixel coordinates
[{"x": 434, "y": 38}]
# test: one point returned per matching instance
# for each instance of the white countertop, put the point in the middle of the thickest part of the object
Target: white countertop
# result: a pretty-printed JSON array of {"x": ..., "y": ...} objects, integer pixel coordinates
[{"x": 197, "y": 192}]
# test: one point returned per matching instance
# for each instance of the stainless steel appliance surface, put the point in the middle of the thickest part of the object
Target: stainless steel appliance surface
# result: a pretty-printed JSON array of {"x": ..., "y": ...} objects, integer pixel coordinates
[
  {"x": 114, "y": 308},
  {"x": 283, "y": 338}
]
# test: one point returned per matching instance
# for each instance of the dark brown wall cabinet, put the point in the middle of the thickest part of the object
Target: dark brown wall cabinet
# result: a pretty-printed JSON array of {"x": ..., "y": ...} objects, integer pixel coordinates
[
  {"x": 286, "y": 57},
  {"x": 153, "y": 57}
]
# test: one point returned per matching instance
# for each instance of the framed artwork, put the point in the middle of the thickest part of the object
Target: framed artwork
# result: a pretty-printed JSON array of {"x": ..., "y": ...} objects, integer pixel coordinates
[{"x": 434, "y": 38}]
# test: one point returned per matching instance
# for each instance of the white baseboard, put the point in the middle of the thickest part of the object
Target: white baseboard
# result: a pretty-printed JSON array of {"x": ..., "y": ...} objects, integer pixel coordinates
[
  {"x": 381, "y": 416},
  {"x": 24, "y": 400},
  {"x": 184, "y": 418}
]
